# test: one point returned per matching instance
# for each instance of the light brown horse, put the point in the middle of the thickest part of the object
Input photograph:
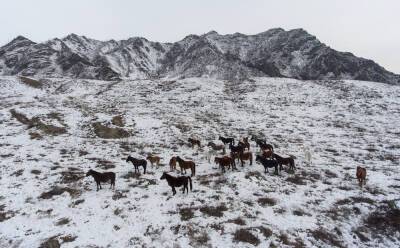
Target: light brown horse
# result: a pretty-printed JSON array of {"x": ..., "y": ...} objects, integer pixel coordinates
[
  {"x": 361, "y": 175},
  {"x": 172, "y": 164},
  {"x": 153, "y": 160},
  {"x": 194, "y": 142},
  {"x": 225, "y": 161},
  {"x": 246, "y": 156},
  {"x": 186, "y": 165}
]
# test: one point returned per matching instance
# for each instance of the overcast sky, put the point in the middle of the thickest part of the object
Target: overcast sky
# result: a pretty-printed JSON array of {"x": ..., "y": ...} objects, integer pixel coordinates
[{"x": 367, "y": 28}]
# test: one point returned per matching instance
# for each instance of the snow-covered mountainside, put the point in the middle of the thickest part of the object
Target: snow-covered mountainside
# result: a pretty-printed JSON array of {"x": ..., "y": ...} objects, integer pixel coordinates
[
  {"x": 50, "y": 136},
  {"x": 276, "y": 53}
]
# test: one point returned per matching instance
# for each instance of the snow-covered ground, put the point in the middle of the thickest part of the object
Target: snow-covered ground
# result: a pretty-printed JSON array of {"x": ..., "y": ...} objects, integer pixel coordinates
[{"x": 44, "y": 194}]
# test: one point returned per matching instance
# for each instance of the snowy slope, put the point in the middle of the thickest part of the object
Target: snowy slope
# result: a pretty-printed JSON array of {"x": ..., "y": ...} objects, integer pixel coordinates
[{"x": 344, "y": 123}]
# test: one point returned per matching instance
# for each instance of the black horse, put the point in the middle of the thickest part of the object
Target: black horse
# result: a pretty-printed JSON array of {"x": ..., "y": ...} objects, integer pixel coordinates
[
  {"x": 178, "y": 182},
  {"x": 236, "y": 149},
  {"x": 102, "y": 177},
  {"x": 137, "y": 162},
  {"x": 227, "y": 140},
  {"x": 267, "y": 163}
]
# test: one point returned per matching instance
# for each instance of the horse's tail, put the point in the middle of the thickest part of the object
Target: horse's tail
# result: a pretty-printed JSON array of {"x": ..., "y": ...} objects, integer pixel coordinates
[
  {"x": 251, "y": 158},
  {"x": 224, "y": 150},
  {"x": 292, "y": 163},
  {"x": 190, "y": 182}
]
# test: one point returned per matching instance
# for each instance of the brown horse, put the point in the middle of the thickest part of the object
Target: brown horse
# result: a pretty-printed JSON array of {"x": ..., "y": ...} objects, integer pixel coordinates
[
  {"x": 246, "y": 156},
  {"x": 102, "y": 178},
  {"x": 194, "y": 142},
  {"x": 267, "y": 153},
  {"x": 153, "y": 160},
  {"x": 361, "y": 175},
  {"x": 216, "y": 147},
  {"x": 286, "y": 161},
  {"x": 172, "y": 164},
  {"x": 245, "y": 143},
  {"x": 225, "y": 161},
  {"x": 186, "y": 165}
]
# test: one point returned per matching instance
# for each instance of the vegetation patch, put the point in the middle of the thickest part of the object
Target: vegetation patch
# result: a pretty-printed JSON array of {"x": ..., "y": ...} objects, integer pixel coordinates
[
  {"x": 58, "y": 191},
  {"x": 266, "y": 201},
  {"x": 105, "y": 132},
  {"x": 245, "y": 236},
  {"x": 214, "y": 211},
  {"x": 31, "y": 82},
  {"x": 118, "y": 121}
]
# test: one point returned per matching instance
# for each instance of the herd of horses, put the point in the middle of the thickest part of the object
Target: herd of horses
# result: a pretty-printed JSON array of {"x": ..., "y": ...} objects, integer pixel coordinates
[{"x": 239, "y": 152}]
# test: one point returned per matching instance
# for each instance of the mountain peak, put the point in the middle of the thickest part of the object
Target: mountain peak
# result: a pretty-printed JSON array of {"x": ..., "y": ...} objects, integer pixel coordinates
[{"x": 294, "y": 53}]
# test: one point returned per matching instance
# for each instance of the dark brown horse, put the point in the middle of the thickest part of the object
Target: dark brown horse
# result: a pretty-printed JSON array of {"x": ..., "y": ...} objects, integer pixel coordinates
[
  {"x": 226, "y": 140},
  {"x": 178, "y": 182},
  {"x": 267, "y": 163},
  {"x": 361, "y": 175},
  {"x": 225, "y": 161},
  {"x": 186, "y": 165},
  {"x": 267, "y": 153},
  {"x": 264, "y": 146},
  {"x": 172, "y": 164},
  {"x": 246, "y": 156},
  {"x": 236, "y": 149},
  {"x": 136, "y": 163},
  {"x": 194, "y": 142},
  {"x": 245, "y": 143},
  {"x": 284, "y": 161},
  {"x": 102, "y": 178}
]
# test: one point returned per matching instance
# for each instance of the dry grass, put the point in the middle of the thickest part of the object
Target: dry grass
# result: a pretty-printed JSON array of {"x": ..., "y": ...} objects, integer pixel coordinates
[
  {"x": 31, "y": 82},
  {"x": 266, "y": 201},
  {"x": 105, "y": 132},
  {"x": 244, "y": 235}
]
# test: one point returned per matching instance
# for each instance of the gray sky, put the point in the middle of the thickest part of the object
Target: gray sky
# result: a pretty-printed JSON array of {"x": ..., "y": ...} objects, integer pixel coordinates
[{"x": 367, "y": 28}]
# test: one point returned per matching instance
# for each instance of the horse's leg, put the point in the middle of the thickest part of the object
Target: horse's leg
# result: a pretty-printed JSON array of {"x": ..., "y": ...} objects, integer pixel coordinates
[{"x": 173, "y": 190}]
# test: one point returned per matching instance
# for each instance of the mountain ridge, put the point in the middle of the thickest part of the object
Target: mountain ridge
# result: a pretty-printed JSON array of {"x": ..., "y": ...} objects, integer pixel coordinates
[{"x": 276, "y": 53}]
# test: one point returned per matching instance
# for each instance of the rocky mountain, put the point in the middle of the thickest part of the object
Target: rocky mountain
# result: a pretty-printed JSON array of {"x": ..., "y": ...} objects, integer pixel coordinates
[{"x": 276, "y": 53}]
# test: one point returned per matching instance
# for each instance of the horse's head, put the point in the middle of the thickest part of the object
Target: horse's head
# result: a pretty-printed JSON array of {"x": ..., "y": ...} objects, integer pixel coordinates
[
  {"x": 128, "y": 158},
  {"x": 258, "y": 158},
  {"x": 164, "y": 175},
  {"x": 90, "y": 172}
]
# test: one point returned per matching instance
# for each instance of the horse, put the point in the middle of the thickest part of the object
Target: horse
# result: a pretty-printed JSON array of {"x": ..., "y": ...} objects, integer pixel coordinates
[
  {"x": 172, "y": 164},
  {"x": 267, "y": 153},
  {"x": 236, "y": 149},
  {"x": 227, "y": 140},
  {"x": 286, "y": 161},
  {"x": 178, "y": 182},
  {"x": 225, "y": 161},
  {"x": 264, "y": 146},
  {"x": 209, "y": 153},
  {"x": 307, "y": 155},
  {"x": 361, "y": 174},
  {"x": 216, "y": 147},
  {"x": 186, "y": 165},
  {"x": 136, "y": 163},
  {"x": 102, "y": 177},
  {"x": 153, "y": 160},
  {"x": 267, "y": 163},
  {"x": 194, "y": 142},
  {"x": 246, "y": 156},
  {"x": 245, "y": 143}
]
